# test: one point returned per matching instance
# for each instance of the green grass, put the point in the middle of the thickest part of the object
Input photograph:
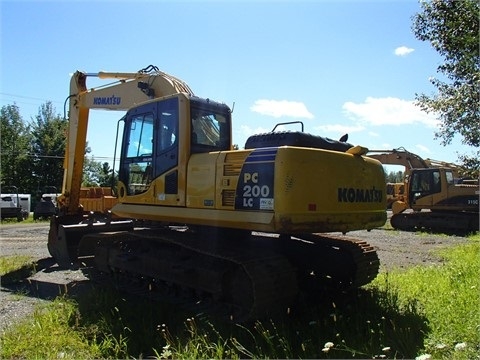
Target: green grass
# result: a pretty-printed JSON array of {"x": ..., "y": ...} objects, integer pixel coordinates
[
  {"x": 12, "y": 263},
  {"x": 449, "y": 296},
  {"x": 28, "y": 221},
  {"x": 49, "y": 334},
  {"x": 14, "y": 268},
  {"x": 402, "y": 314}
]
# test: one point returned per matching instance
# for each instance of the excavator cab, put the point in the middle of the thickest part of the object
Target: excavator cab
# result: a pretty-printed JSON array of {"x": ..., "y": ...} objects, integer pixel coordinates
[
  {"x": 447, "y": 207},
  {"x": 435, "y": 189},
  {"x": 159, "y": 137},
  {"x": 425, "y": 182}
]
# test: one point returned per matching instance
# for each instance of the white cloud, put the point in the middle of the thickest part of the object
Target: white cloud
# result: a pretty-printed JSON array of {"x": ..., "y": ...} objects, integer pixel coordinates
[
  {"x": 281, "y": 108},
  {"x": 337, "y": 128},
  {"x": 388, "y": 111},
  {"x": 403, "y": 51},
  {"x": 247, "y": 130},
  {"x": 380, "y": 147},
  {"x": 374, "y": 134},
  {"x": 423, "y": 148}
]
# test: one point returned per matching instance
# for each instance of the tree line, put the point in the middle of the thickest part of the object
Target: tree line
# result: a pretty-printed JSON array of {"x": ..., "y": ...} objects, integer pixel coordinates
[{"x": 32, "y": 153}]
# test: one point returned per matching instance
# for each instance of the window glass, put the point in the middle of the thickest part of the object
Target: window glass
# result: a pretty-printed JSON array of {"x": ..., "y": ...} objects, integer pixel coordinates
[
  {"x": 449, "y": 176},
  {"x": 167, "y": 136},
  {"x": 421, "y": 181},
  {"x": 210, "y": 130},
  {"x": 139, "y": 154},
  {"x": 140, "y": 176},
  {"x": 207, "y": 129},
  {"x": 168, "y": 130},
  {"x": 426, "y": 182},
  {"x": 141, "y": 135},
  {"x": 436, "y": 181}
]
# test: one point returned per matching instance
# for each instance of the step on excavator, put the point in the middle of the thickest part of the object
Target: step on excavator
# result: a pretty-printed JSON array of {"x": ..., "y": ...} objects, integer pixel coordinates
[
  {"x": 239, "y": 231},
  {"x": 439, "y": 200}
]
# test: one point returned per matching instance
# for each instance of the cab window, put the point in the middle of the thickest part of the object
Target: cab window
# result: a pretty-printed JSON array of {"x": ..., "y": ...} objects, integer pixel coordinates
[
  {"x": 421, "y": 181},
  {"x": 210, "y": 131},
  {"x": 167, "y": 136},
  {"x": 449, "y": 177},
  {"x": 141, "y": 135},
  {"x": 139, "y": 154},
  {"x": 426, "y": 182}
]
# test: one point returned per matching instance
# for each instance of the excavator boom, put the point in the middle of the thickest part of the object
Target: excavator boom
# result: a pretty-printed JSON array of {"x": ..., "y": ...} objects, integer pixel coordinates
[
  {"x": 399, "y": 156},
  {"x": 129, "y": 90}
]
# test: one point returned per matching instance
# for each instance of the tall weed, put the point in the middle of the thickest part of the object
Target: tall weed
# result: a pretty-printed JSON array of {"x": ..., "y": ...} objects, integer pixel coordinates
[{"x": 52, "y": 332}]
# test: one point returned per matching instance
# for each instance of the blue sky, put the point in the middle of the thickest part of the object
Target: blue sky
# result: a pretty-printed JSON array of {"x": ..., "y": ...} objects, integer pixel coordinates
[{"x": 339, "y": 66}]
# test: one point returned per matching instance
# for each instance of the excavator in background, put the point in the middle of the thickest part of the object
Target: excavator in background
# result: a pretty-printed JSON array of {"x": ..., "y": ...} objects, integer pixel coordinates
[
  {"x": 409, "y": 160},
  {"x": 441, "y": 201},
  {"x": 245, "y": 230},
  {"x": 394, "y": 193},
  {"x": 400, "y": 156}
]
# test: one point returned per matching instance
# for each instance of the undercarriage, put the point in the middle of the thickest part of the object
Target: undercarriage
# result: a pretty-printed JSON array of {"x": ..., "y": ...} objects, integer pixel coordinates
[
  {"x": 437, "y": 221},
  {"x": 238, "y": 276}
]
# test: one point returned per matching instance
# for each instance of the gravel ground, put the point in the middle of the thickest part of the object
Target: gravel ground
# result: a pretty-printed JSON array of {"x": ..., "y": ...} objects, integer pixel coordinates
[{"x": 395, "y": 249}]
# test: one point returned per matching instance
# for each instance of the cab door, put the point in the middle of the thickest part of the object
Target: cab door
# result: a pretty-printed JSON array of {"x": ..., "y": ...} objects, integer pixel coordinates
[
  {"x": 149, "y": 161},
  {"x": 137, "y": 150},
  {"x": 166, "y": 152},
  {"x": 425, "y": 183}
]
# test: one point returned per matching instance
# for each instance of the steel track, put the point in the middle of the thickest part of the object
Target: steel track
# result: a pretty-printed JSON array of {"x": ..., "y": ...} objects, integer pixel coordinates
[
  {"x": 447, "y": 222},
  {"x": 239, "y": 280}
]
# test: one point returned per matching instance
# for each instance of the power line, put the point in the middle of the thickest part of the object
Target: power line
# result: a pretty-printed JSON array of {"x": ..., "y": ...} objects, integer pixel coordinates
[
  {"x": 29, "y": 97},
  {"x": 10, "y": 153},
  {"x": 24, "y": 100},
  {"x": 90, "y": 157}
]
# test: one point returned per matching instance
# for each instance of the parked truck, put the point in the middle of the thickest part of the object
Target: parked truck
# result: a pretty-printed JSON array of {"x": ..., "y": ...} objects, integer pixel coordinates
[{"x": 14, "y": 205}]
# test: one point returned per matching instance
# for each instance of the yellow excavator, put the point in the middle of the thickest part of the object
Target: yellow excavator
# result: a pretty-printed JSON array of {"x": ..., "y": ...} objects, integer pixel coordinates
[
  {"x": 441, "y": 201},
  {"x": 395, "y": 192},
  {"x": 244, "y": 230}
]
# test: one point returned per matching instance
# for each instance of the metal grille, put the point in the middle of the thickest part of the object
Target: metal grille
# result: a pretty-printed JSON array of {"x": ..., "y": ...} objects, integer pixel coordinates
[
  {"x": 233, "y": 163},
  {"x": 228, "y": 197}
]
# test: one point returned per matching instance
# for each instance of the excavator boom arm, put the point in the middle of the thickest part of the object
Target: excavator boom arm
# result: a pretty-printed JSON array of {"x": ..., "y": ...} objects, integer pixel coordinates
[
  {"x": 128, "y": 90},
  {"x": 399, "y": 156}
]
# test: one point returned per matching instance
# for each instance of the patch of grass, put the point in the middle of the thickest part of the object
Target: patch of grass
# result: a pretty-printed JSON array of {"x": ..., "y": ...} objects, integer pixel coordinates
[
  {"x": 28, "y": 221},
  {"x": 200, "y": 341},
  {"x": 52, "y": 332},
  {"x": 402, "y": 314},
  {"x": 12, "y": 263},
  {"x": 449, "y": 296},
  {"x": 15, "y": 268},
  {"x": 360, "y": 324}
]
